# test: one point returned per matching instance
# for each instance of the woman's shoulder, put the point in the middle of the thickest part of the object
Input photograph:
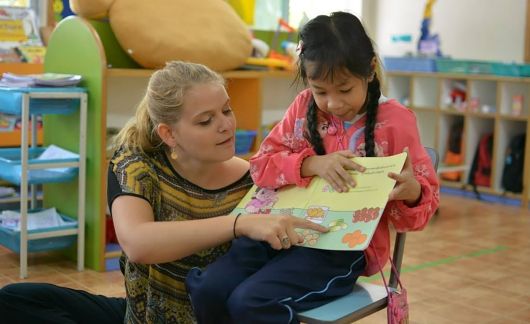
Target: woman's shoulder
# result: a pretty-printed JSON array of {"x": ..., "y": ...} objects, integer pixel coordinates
[
  {"x": 238, "y": 171},
  {"x": 125, "y": 159}
]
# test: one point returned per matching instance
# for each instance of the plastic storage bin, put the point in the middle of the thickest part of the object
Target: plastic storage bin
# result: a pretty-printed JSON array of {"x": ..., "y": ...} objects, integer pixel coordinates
[
  {"x": 11, "y": 238},
  {"x": 507, "y": 69},
  {"x": 244, "y": 140},
  {"x": 11, "y": 101},
  {"x": 524, "y": 70},
  {"x": 409, "y": 64},
  {"x": 11, "y": 169},
  {"x": 463, "y": 66}
]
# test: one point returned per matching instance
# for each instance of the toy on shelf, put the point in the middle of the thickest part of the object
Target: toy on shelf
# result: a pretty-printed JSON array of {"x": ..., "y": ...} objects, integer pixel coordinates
[
  {"x": 269, "y": 57},
  {"x": 273, "y": 53},
  {"x": 428, "y": 44}
]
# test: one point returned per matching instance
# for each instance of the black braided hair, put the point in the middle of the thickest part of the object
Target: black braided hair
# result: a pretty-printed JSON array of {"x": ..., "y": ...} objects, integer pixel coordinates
[
  {"x": 374, "y": 92},
  {"x": 336, "y": 43},
  {"x": 312, "y": 126}
]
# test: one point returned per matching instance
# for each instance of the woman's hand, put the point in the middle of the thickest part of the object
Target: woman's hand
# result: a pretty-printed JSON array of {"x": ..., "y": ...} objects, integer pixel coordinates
[
  {"x": 277, "y": 230},
  {"x": 407, "y": 188},
  {"x": 332, "y": 168}
]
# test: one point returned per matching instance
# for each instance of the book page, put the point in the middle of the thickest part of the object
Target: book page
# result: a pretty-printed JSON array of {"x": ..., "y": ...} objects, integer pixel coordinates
[{"x": 351, "y": 217}]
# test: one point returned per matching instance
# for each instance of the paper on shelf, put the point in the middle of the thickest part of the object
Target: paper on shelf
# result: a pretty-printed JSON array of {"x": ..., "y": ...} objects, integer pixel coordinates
[
  {"x": 43, "y": 79},
  {"x": 37, "y": 220},
  {"x": 54, "y": 152},
  {"x": 7, "y": 191}
]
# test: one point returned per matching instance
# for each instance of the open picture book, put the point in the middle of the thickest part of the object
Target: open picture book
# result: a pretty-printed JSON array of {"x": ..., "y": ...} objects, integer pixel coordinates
[{"x": 351, "y": 217}]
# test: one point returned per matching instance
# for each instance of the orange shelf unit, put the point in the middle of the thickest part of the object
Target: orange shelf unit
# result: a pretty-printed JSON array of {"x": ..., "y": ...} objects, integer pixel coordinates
[
  {"x": 13, "y": 138},
  {"x": 21, "y": 68}
]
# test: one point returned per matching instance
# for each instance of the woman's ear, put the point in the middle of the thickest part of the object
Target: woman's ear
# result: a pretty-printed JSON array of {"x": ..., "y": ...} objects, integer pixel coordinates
[{"x": 165, "y": 132}]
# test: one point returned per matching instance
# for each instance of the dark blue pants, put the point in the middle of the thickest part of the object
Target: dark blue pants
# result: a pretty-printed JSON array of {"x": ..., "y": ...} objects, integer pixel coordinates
[
  {"x": 255, "y": 284},
  {"x": 46, "y": 303}
]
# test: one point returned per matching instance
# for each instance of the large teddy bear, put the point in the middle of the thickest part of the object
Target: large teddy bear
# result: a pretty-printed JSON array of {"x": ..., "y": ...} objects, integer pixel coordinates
[{"x": 154, "y": 32}]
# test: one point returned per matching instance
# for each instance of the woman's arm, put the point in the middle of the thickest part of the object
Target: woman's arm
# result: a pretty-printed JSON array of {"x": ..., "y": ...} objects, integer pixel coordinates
[{"x": 146, "y": 241}]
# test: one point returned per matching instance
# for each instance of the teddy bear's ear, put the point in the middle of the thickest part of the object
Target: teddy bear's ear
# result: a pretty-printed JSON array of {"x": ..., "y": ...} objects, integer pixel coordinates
[{"x": 91, "y": 9}]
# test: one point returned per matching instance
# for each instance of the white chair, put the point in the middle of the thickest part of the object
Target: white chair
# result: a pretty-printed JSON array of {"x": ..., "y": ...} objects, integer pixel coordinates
[{"x": 366, "y": 298}]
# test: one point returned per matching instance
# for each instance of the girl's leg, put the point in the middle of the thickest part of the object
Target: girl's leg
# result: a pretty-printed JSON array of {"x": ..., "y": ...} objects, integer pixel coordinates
[
  {"x": 295, "y": 280},
  {"x": 46, "y": 303},
  {"x": 209, "y": 289}
]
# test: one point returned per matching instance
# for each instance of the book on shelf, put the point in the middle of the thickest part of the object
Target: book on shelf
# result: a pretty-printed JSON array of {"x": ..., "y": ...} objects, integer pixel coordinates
[
  {"x": 39, "y": 80},
  {"x": 31, "y": 53},
  {"x": 351, "y": 216},
  {"x": 9, "y": 55}
]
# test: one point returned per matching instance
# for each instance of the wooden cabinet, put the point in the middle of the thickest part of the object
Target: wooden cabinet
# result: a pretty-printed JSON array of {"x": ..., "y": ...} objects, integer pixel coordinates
[
  {"x": 115, "y": 85},
  {"x": 491, "y": 104}
]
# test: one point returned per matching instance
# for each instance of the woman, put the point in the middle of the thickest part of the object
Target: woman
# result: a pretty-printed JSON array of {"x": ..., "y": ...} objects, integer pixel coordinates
[{"x": 171, "y": 184}]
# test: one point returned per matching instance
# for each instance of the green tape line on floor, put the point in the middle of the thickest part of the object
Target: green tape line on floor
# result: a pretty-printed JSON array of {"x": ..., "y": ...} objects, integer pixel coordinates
[{"x": 435, "y": 263}]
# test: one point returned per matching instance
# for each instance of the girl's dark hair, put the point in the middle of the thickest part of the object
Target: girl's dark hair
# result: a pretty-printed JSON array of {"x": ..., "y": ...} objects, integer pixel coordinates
[{"x": 334, "y": 43}]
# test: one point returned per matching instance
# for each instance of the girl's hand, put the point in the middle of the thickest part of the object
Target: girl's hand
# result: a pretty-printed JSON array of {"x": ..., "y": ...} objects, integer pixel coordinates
[
  {"x": 407, "y": 188},
  {"x": 332, "y": 168},
  {"x": 277, "y": 230}
]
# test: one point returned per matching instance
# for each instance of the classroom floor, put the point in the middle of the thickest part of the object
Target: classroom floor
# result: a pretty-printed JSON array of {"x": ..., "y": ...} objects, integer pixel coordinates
[{"x": 470, "y": 265}]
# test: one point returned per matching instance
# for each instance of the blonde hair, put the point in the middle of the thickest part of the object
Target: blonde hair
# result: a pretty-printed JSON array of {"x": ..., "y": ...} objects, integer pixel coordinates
[{"x": 162, "y": 103}]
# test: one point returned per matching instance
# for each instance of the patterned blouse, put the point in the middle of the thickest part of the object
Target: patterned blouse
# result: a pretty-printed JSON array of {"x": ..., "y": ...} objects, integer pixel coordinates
[{"x": 156, "y": 292}]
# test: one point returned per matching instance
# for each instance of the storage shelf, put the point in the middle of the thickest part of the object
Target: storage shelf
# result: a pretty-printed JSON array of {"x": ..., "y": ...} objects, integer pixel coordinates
[
  {"x": 21, "y": 166},
  {"x": 501, "y": 93}
]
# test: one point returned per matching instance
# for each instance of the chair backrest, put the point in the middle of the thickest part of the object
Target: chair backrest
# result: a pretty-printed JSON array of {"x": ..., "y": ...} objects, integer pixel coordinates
[
  {"x": 399, "y": 244},
  {"x": 434, "y": 157}
]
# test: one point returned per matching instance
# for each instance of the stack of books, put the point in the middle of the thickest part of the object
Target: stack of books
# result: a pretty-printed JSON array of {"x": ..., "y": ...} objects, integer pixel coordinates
[{"x": 12, "y": 80}]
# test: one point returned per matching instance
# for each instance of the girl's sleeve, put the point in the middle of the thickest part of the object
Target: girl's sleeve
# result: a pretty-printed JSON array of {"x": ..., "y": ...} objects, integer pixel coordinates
[
  {"x": 403, "y": 217},
  {"x": 279, "y": 159}
]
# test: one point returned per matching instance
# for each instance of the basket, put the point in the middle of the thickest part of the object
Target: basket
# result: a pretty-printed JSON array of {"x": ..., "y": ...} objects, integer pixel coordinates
[
  {"x": 11, "y": 101},
  {"x": 409, "y": 64},
  {"x": 11, "y": 168},
  {"x": 10, "y": 238},
  {"x": 244, "y": 141}
]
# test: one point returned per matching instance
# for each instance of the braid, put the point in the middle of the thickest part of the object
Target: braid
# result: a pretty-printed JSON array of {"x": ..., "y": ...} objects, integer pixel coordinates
[
  {"x": 312, "y": 126},
  {"x": 374, "y": 92}
]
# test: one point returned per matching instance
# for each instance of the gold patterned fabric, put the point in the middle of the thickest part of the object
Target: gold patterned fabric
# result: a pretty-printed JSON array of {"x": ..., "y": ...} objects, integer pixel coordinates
[{"x": 156, "y": 293}]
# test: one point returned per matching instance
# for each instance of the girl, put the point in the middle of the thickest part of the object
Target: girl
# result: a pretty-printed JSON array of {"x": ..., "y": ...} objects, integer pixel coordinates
[
  {"x": 171, "y": 181},
  {"x": 338, "y": 64}
]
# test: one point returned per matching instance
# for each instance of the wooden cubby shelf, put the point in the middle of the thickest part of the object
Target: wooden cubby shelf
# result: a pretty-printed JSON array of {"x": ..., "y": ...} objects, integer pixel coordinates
[{"x": 488, "y": 107}]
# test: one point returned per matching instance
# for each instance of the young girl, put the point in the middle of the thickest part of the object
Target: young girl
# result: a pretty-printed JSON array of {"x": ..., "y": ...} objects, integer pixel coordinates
[
  {"x": 342, "y": 114},
  {"x": 171, "y": 183}
]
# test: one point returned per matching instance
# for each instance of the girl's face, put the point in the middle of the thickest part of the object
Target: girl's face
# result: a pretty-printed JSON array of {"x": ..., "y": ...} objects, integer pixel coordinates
[
  {"x": 343, "y": 97},
  {"x": 206, "y": 128}
]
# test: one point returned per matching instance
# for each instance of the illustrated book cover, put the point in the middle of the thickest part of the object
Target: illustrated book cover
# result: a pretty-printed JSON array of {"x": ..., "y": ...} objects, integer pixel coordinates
[{"x": 351, "y": 217}]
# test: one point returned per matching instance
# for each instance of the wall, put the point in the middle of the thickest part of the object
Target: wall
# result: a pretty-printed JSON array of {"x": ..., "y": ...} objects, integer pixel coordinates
[{"x": 469, "y": 29}]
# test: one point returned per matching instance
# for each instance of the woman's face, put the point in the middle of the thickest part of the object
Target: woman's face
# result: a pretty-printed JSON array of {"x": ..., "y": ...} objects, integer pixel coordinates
[
  {"x": 206, "y": 128},
  {"x": 343, "y": 97}
]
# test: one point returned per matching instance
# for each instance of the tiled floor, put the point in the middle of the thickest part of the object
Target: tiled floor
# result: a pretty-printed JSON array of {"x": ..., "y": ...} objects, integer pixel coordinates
[{"x": 470, "y": 265}]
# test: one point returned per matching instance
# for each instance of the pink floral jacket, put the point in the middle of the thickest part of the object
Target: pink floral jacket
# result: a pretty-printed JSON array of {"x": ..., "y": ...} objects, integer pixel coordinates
[{"x": 282, "y": 152}]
